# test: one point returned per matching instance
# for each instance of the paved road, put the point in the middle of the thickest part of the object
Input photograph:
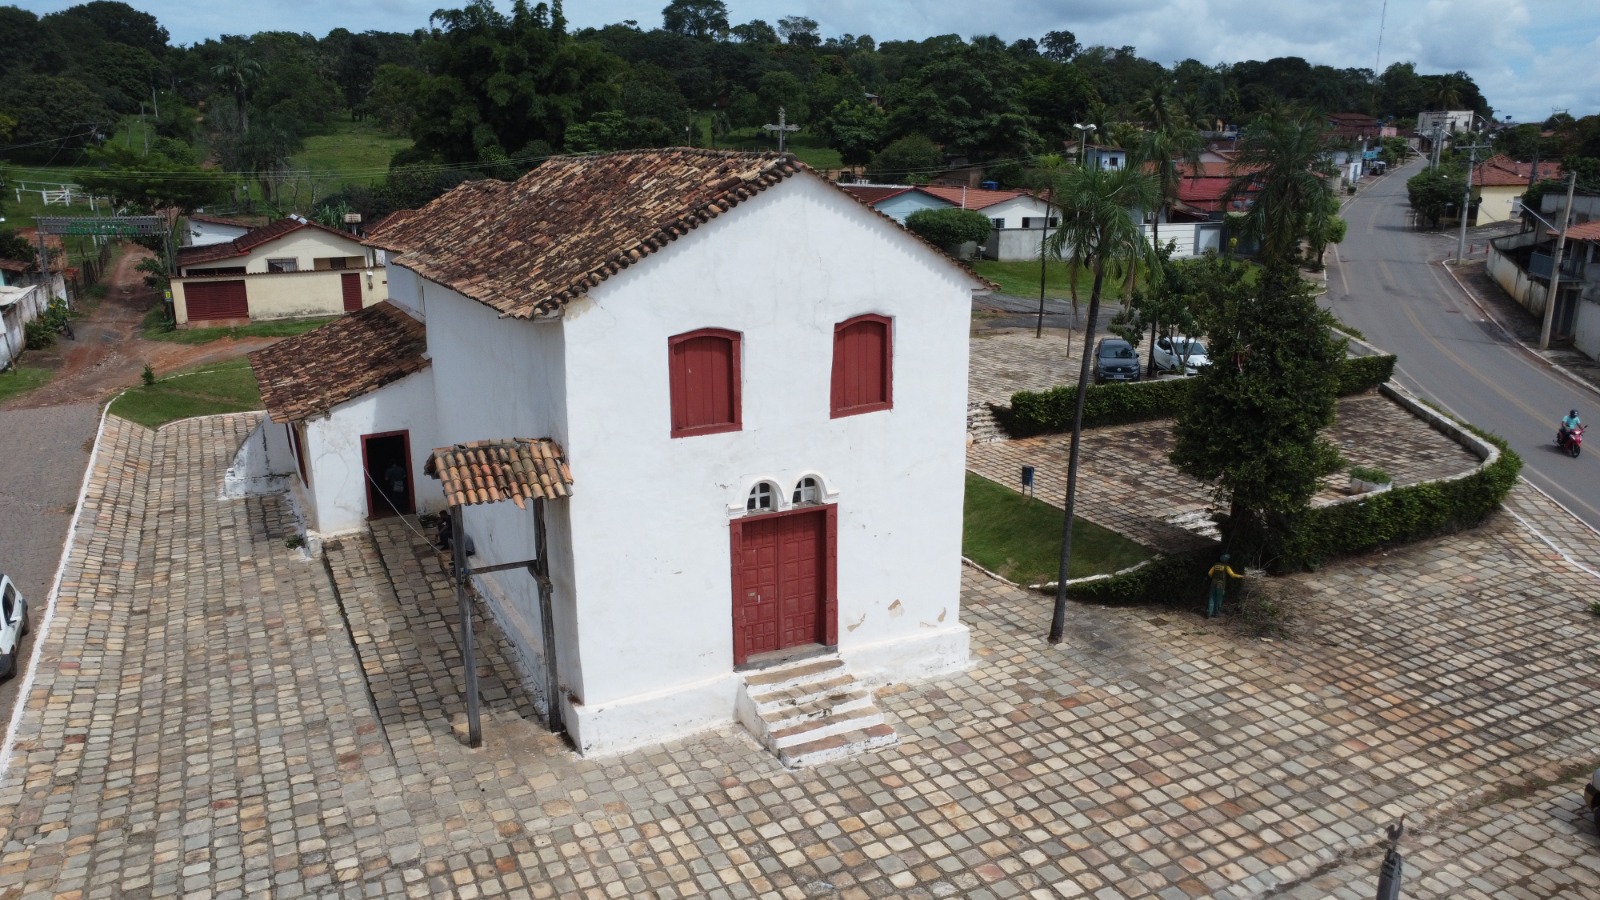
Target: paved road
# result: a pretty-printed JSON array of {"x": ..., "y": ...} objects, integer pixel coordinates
[
  {"x": 42, "y": 455},
  {"x": 1388, "y": 284}
]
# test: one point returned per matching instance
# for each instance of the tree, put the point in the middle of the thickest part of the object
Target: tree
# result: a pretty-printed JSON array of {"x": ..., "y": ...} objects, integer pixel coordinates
[
  {"x": 55, "y": 117},
  {"x": 1433, "y": 192},
  {"x": 950, "y": 227},
  {"x": 910, "y": 157},
  {"x": 1169, "y": 139},
  {"x": 855, "y": 129},
  {"x": 755, "y": 31},
  {"x": 700, "y": 19},
  {"x": 799, "y": 31},
  {"x": 155, "y": 180},
  {"x": 238, "y": 75},
  {"x": 1098, "y": 232},
  {"x": 1282, "y": 160},
  {"x": 1059, "y": 46},
  {"x": 1252, "y": 425}
]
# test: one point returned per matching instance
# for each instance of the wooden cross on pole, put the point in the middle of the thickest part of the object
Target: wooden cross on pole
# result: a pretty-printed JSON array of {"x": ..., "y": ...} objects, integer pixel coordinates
[{"x": 782, "y": 128}]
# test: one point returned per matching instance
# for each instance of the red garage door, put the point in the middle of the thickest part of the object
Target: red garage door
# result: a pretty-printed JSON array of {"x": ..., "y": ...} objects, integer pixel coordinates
[{"x": 216, "y": 300}]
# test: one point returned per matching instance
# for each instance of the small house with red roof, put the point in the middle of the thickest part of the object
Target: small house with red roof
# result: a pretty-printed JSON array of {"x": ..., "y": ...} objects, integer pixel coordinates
[
  {"x": 701, "y": 416},
  {"x": 1499, "y": 182},
  {"x": 291, "y": 268},
  {"x": 1013, "y": 214}
]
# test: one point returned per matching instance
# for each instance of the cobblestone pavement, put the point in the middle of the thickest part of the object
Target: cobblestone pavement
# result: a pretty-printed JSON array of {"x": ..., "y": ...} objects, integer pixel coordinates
[
  {"x": 1126, "y": 483},
  {"x": 215, "y": 716}
]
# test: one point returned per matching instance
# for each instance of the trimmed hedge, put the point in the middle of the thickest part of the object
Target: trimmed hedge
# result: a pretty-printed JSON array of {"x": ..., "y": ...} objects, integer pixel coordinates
[
  {"x": 1178, "y": 581},
  {"x": 1397, "y": 516},
  {"x": 1121, "y": 404}
]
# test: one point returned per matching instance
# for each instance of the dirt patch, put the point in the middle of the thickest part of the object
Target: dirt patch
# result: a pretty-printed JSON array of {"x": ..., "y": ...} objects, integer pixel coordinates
[{"x": 108, "y": 354}]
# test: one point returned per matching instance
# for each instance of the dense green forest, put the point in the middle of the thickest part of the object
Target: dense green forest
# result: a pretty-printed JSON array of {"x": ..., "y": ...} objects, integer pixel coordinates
[{"x": 477, "y": 92}]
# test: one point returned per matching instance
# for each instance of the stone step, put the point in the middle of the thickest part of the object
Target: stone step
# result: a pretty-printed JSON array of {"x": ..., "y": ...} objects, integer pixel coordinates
[
  {"x": 792, "y": 671},
  {"x": 782, "y": 716},
  {"x": 835, "y": 722},
  {"x": 834, "y": 747},
  {"x": 791, "y": 693}
]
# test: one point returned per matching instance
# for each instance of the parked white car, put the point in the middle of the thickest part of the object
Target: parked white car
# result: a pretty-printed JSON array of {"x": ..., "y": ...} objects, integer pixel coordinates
[
  {"x": 1181, "y": 354},
  {"x": 13, "y": 625}
]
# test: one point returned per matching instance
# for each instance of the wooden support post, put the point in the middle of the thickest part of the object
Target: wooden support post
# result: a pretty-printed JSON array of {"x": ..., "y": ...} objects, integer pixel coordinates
[
  {"x": 469, "y": 652},
  {"x": 541, "y": 574}
]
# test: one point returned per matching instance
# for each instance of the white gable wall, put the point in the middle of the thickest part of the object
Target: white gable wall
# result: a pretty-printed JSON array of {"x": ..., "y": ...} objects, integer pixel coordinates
[
  {"x": 1013, "y": 211},
  {"x": 502, "y": 378},
  {"x": 333, "y": 450},
  {"x": 303, "y": 246},
  {"x": 650, "y": 514}
]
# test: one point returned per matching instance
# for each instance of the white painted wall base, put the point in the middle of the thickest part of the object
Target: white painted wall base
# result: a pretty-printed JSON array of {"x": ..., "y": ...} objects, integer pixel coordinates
[
  {"x": 653, "y": 717},
  {"x": 262, "y": 465},
  {"x": 929, "y": 654}
]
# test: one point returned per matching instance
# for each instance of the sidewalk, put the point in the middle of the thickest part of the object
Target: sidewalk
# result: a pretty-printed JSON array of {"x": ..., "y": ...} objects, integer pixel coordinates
[{"x": 205, "y": 722}]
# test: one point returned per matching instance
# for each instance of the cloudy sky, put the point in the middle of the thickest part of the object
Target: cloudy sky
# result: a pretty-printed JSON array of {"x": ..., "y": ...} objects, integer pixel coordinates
[{"x": 1529, "y": 57}]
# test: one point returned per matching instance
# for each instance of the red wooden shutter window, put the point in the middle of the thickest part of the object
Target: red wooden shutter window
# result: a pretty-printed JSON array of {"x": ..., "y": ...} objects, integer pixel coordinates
[
  {"x": 704, "y": 376},
  {"x": 863, "y": 366}
]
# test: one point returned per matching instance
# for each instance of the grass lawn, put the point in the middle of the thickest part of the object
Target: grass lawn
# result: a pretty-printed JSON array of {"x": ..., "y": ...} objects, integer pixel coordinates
[
  {"x": 1020, "y": 278},
  {"x": 354, "y": 152},
  {"x": 1020, "y": 537},
  {"x": 205, "y": 390},
  {"x": 155, "y": 328},
  {"x": 19, "y": 380}
]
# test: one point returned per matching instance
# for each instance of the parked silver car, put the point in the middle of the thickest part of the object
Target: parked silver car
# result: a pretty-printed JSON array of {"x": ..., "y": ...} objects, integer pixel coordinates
[
  {"x": 1181, "y": 354},
  {"x": 13, "y": 625}
]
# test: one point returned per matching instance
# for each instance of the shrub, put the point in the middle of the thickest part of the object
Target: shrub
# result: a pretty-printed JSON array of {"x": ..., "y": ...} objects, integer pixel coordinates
[
  {"x": 1120, "y": 404},
  {"x": 1397, "y": 516},
  {"x": 1369, "y": 475},
  {"x": 950, "y": 227},
  {"x": 1178, "y": 581}
]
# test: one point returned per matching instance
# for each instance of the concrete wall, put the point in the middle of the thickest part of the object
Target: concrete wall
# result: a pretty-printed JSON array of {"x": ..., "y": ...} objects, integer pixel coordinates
[
  {"x": 18, "y": 306},
  {"x": 651, "y": 515},
  {"x": 503, "y": 378},
  {"x": 291, "y": 295},
  {"x": 1512, "y": 278},
  {"x": 263, "y": 463},
  {"x": 338, "y": 489},
  {"x": 1015, "y": 210},
  {"x": 1494, "y": 203}
]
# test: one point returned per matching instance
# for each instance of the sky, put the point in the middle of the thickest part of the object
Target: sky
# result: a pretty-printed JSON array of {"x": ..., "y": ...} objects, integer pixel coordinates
[{"x": 1529, "y": 57}]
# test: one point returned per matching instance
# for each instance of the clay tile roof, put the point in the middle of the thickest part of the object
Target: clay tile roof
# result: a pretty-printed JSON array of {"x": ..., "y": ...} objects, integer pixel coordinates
[
  {"x": 13, "y": 265},
  {"x": 219, "y": 220},
  {"x": 873, "y": 193},
  {"x": 969, "y": 198},
  {"x": 517, "y": 469},
  {"x": 1588, "y": 231},
  {"x": 312, "y": 373},
  {"x": 244, "y": 243},
  {"x": 1503, "y": 171},
  {"x": 530, "y": 247}
]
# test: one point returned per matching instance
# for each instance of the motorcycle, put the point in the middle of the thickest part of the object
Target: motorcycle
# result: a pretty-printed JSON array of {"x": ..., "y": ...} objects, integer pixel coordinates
[{"x": 1570, "y": 442}]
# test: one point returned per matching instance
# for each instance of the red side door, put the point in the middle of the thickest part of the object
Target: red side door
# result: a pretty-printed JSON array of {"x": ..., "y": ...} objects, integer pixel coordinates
[
  {"x": 350, "y": 284},
  {"x": 783, "y": 582}
]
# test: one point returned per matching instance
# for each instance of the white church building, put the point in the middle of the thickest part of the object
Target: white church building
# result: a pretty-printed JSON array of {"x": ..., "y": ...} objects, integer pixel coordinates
[{"x": 749, "y": 392}]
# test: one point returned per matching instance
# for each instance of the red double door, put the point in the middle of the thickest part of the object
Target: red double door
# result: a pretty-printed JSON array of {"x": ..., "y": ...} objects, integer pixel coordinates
[{"x": 784, "y": 582}]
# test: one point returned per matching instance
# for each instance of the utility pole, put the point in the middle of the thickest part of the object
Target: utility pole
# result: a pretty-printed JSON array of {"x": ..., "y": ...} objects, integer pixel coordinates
[
  {"x": 1466, "y": 201},
  {"x": 1555, "y": 267}
]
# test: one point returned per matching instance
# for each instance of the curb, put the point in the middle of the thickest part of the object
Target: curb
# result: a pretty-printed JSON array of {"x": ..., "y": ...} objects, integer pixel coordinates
[{"x": 42, "y": 631}]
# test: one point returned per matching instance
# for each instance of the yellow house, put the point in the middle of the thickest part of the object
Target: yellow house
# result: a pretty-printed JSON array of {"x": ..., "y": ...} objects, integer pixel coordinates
[
  {"x": 1499, "y": 182},
  {"x": 289, "y": 269}
]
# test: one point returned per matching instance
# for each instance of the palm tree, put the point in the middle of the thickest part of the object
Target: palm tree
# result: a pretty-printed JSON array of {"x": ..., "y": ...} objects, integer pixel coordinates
[
  {"x": 239, "y": 73},
  {"x": 1283, "y": 160},
  {"x": 1047, "y": 167},
  {"x": 1100, "y": 233}
]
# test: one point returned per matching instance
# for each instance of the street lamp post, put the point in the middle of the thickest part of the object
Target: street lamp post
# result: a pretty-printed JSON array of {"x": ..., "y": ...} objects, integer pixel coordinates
[
  {"x": 1083, "y": 139},
  {"x": 1466, "y": 201}
]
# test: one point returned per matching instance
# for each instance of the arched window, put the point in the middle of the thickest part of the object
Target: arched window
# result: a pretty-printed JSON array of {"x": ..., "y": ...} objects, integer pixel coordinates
[
  {"x": 807, "y": 491},
  {"x": 703, "y": 369},
  {"x": 761, "y": 497},
  {"x": 863, "y": 365}
]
